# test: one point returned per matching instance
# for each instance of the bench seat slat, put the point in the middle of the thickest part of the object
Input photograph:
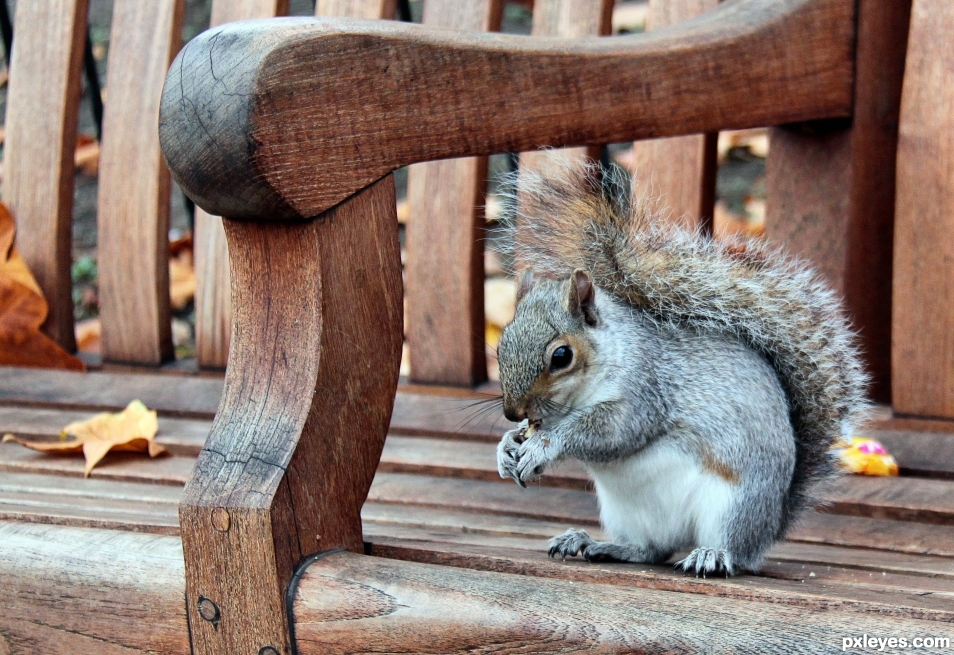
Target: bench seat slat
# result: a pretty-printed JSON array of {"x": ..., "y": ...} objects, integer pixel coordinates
[{"x": 440, "y": 604}]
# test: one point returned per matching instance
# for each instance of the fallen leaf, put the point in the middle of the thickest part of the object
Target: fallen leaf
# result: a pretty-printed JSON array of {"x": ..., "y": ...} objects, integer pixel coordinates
[
  {"x": 23, "y": 310},
  {"x": 89, "y": 335},
  {"x": 131, "y": 430},
  {"x": 182, "y": 279}
]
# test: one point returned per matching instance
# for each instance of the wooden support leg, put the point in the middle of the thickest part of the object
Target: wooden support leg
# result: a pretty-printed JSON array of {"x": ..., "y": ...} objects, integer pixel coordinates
[
  {"x": 830, "y": 187},
  {"x": 316, "y": 348}
]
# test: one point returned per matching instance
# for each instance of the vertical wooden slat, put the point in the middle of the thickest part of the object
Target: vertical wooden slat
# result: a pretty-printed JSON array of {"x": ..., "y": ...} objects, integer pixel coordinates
[
  {"x": 213, "y": 296},
  {"x": 830, "y": 188},
  {"x": 923, "y": 317},
  {"x": 42, "y": 112},
  {"x": 680, "y": 171},
  {"x": 572, "y": 19},
  {"x": 445, "y": 274},
  {"x": 356, "y": 8},
  {"x": 133, "y": 211}
]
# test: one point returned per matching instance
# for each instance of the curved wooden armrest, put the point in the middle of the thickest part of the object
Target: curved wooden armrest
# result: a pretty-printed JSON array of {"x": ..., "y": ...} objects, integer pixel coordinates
[{"x": 283, "y": 119}]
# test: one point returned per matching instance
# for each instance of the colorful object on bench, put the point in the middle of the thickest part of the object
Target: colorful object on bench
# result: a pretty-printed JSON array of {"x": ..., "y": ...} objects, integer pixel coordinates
[
  {"x": 23, "y": 309},
  {"x": 866, "y": 456},
  {"x": 131, "y": 430}
]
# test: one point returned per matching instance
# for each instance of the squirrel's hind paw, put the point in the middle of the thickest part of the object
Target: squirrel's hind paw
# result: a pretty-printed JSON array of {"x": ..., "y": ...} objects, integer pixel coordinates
[
  {"x": 703, "y": 561},
  {"x": 570, "y": 544}
]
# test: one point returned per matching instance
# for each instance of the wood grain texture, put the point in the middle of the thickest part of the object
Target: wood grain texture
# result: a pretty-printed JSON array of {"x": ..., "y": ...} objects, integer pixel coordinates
[
  {"x": 213, "y": 298},
  {"x": 350, "y": 603},
  {"x": 830, "y": 188},
  {"x": 280, "y": 132},
  {"x": 369, "y": 9},
  {"x": 679, "y": 171},
  {"x": 571, "y": 19},
  {"x": 133, "y": 211},
  {"x": 81, "y": 590},
  {"x": 923, "y": 309},
  {"x": 40, "y": 139},
  {"x": 445, "y": 242},
  {"x": 316, "y": 347}
]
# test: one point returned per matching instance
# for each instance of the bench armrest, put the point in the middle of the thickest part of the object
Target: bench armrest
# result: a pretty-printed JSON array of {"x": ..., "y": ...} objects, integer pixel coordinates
[{"x": 283, "y": 119}]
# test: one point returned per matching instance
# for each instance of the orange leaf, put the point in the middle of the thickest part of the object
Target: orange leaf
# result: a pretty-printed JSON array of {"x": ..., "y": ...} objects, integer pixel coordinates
[
  {"x": 131, "y": 430},
  {"x": 23, "y": 310}
]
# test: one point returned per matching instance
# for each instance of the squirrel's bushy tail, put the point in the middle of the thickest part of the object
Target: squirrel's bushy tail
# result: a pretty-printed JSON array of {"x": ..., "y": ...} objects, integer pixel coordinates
[{"x": 775, "y": 304}]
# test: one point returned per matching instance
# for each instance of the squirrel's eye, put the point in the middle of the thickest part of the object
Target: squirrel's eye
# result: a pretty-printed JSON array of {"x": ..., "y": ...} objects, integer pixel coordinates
[{"x": 561, "y": 358}]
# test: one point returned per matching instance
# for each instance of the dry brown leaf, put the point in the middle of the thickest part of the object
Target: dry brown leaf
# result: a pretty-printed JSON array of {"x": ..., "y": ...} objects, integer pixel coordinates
[
  {"x": 182, "y": 280},
  {"x": 23, "y": 310},
  {"x": 131, "y": 430}
]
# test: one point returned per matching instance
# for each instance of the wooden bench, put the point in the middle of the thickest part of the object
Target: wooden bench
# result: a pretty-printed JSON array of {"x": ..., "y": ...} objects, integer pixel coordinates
[{"x": 254, "y": 536}]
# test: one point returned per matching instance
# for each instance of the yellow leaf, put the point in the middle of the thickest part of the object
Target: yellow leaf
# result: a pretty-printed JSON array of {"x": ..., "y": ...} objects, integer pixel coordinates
[{"x": 132, "y": 430}]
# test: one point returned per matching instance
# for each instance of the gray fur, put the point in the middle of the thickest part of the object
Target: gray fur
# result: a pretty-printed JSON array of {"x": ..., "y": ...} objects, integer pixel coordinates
[{"x": 729, "y": 352}]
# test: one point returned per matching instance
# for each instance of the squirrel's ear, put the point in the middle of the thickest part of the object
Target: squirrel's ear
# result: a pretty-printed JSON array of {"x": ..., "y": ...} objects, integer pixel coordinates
[
  {"x": 524, "y": 284},
  {"x": 581, "y": 297}
]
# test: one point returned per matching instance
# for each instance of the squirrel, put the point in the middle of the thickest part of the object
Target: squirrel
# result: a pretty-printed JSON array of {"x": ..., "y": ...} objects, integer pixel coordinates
[{"x": 701, "y": 381}]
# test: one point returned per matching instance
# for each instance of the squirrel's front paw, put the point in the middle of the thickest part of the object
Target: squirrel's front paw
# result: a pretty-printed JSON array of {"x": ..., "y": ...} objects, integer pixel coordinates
[
  {"x": 523, "y": 453},
  {"x": 507, "y": 452}
]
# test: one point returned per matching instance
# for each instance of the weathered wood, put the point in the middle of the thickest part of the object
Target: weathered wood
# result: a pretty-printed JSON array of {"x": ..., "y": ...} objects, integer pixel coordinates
[
  {"x": 923, "y": 318},
  {"x": 279, "y": 131},
  {"x": 79, "y": 590},
  {"x": 40, "y": 139},
  {"x": 679, "y": 171},
  {"x": 348, "y": 603},
  {"x": 883, "y": 534},
  {"x": 316, "y": 347},
  {"x": 213, "y": 298},
  {"x": 445, "y": 242},
  {"x": 356, "y": 8},
  {"x": 830, "y": 188},
  {"x": 133, "y": 211}
]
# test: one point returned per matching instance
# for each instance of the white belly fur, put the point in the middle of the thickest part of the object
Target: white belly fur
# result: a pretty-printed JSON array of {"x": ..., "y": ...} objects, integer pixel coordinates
[{"x": 662, "y": 497}]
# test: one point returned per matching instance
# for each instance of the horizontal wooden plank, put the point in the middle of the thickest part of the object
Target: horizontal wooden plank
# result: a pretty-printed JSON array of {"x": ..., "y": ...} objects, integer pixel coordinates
[
  {"x": 815, "y": 575},
  {"x": 783, "y": 582},
  {"x": 79, "y": 590},
  {"x": 418, "y": 410},
  {"x": 346, "y": 603},
  {"x": 901, "y": 499},
  {"x": 162, "y": 470},
  {"x": 919, "y": 453},
  {"x": 884, "y": 534}
]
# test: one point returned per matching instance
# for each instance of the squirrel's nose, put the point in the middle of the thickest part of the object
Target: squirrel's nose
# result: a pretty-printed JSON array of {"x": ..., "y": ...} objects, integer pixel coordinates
[{"x": 513, "y": 414}]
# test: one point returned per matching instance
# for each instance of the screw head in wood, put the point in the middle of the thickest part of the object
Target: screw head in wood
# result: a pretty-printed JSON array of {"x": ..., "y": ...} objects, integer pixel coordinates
[
  {"x": 221, "y": 520},
  {"x": 268, "y": 650},
  {"x": 209, "y": 611}
]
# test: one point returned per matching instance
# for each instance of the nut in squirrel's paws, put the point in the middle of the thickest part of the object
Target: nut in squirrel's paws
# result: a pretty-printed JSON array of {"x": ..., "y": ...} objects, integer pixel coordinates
[
  {"x": 704, "y": 561},
  {"x": 520, "y": 456}
]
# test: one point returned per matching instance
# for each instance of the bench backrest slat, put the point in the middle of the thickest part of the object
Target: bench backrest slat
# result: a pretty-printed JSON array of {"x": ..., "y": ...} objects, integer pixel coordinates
[
  {"x": 570, "y": 19},
  {"x": 42, "y": 111},
  {"x": 923, "y": 323},
  {"x": 679, "y": 170},
  {"x": 133, "y": 210},
  {"x": 369, "y": 9},
  {"x": 444, "y": 275},
  {"x": 213, "y": 294},
  {"x": 830, "y": 191}
]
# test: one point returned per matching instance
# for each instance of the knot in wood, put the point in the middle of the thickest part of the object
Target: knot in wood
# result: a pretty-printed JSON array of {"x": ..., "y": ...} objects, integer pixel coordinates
[
  {"x": 209, "y": 611},
  {"x": 268, "y": 650},
  {"x": 221, "y": 520}
]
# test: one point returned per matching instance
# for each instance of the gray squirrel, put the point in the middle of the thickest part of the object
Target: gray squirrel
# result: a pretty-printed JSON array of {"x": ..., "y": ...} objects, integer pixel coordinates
[{"x": 702, "y": 382}]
